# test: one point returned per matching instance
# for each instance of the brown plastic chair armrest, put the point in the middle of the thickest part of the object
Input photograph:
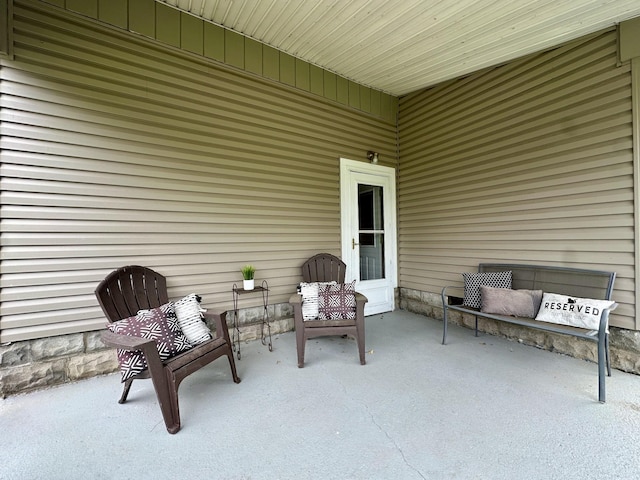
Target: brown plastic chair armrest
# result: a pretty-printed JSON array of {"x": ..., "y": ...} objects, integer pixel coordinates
[
  {"x": 125, "y": 342},
  {"x": 148, "y": 347},
  {"x": 219, "y": 319},
  {"x": 361, "y": 299}
]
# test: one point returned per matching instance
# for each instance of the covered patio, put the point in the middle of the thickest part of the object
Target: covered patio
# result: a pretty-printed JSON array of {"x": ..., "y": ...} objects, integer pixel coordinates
[
  {"x": 138, "y": 133},
  {"x": 477, "y": 408}
]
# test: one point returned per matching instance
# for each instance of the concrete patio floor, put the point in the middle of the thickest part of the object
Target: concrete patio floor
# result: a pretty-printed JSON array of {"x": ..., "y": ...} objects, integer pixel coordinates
[{"x": 477, "y": 408}]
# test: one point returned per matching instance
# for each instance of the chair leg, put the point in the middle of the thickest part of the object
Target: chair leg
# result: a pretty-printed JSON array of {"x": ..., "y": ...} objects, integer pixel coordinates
[
  {"x": 360, "y": 340},
  {"x": 174, "y": 407},
  {"x": 300, "y": 344},
  {"x": 125, "y": 392},
  {"x": 168, "y": 402},
  {"x": 166, "y": 389},
  {"x": 232, "y": 364}
]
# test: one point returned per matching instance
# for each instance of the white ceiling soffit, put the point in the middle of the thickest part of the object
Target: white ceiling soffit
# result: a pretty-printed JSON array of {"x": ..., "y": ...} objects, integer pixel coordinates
[{"x": 400, "y": 46}]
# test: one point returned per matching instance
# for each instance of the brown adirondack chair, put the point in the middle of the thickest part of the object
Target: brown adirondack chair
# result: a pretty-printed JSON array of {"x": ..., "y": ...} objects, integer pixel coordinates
[
  {"x": 325, "y": 267},
  {"x": 129, "y": 289}
]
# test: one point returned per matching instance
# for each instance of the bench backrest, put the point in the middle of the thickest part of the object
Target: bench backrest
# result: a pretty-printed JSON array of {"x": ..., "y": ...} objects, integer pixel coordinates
[{"x": 575, "y": 282}]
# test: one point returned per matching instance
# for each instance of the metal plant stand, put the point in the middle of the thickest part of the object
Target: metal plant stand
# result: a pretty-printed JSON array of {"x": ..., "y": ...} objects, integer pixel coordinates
[{"x": 265, "y": 328}]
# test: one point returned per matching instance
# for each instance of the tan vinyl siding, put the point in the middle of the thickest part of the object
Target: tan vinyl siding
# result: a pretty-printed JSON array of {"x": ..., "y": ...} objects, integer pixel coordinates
[
  {"x": 191, "y": 33},
  {"x": 529, "y": 162},
  {"x": 635, "y": 75},
  {"x": 118, "y": 150},
  {"x": 6, "y": 31}
]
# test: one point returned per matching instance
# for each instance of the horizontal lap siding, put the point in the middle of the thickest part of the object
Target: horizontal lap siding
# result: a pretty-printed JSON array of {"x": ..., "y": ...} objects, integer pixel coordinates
[
  {"x": 529, "y": 162},
  {"x": 116, "y": 150}
]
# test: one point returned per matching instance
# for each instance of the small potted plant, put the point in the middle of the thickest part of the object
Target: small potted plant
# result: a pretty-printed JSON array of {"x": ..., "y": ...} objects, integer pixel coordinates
[{"x": 248, "y": 271}]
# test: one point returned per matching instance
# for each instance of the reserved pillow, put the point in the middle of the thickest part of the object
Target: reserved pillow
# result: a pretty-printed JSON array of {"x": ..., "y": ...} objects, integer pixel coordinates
[
  {"x": 473, "y": 281},
  {"x": 504, "y": 301},
  {"x": 337, "y": 301},
  {"x": 190, "y": 317},
  {"x": 309, "y": 292},
  {"x": 159, "y": 324},
  {"x": 573, "y": 311}
]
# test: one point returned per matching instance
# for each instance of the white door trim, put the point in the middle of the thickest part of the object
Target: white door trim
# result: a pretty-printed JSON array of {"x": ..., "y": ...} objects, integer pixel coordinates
[{"x": 349, "y": 225}]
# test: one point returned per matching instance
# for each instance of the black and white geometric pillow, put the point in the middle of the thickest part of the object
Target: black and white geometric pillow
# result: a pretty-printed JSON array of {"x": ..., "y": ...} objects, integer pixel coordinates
[
  {"x": 159, "y": 324},
  {"x": 309, "y": 292},
  {"x": 473, "y": 281},
  {"x": 337, "y": 302}
]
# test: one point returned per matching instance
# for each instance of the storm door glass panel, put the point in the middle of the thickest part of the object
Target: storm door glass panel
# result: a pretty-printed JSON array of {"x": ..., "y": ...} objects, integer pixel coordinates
[{"x": 371, "y": 231}]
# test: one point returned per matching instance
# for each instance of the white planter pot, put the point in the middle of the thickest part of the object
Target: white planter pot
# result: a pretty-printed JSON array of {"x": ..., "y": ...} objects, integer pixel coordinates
[{"x": 248, "y": 284}]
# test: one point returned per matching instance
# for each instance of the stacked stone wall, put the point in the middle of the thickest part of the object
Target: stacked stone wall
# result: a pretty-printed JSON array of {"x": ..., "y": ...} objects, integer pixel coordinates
[
  {"x": 624, "y": 344},
  {"x": 45, "y": 362}
]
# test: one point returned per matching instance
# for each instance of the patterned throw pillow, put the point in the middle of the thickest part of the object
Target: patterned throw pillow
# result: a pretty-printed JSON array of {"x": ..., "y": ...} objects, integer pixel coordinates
[
  {"x": 309, "y": 292},
  {"x": 573, "y": 311},
  {"x": 472, "y": 282},
  {"x": 190, "y": 317},
  {"x": 337, "y": 302},
  {"x": 159, "y": 324}
]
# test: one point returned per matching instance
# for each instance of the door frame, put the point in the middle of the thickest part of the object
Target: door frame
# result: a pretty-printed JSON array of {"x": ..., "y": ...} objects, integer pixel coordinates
[{"x": 388, "y": 175}]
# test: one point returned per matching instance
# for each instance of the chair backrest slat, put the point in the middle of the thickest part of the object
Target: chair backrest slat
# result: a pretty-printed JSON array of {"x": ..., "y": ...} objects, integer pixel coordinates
[
  {"x": 129, "y": 289},
  {"x": 324, "y": 267}
]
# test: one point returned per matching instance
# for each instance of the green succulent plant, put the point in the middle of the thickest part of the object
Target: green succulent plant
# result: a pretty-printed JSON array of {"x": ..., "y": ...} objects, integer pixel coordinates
[{"x": 248, "y": 271}]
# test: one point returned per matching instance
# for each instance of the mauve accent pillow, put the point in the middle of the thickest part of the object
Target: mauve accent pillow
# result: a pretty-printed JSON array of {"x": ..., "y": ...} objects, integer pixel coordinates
[
  {"x": 537, "y": 299},
  {"x": 516, "y": 303}
]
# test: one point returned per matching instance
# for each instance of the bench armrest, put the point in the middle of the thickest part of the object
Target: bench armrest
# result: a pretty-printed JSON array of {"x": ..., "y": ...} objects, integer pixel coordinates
[
  {"x": 445, "y": 292},
  {"x": 604, "y": 319}
]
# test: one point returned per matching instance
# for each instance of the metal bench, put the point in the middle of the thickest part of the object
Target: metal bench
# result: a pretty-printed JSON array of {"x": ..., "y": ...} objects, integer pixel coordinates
[{"x": 575, "y": 282}]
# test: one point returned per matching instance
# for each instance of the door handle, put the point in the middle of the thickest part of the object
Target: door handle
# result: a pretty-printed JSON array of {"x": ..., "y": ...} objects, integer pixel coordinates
[{"x": 353, "y": 244}]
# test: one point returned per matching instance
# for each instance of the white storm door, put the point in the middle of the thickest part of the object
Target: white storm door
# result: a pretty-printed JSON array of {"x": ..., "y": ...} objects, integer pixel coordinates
[{"x": 369, "y": 231}]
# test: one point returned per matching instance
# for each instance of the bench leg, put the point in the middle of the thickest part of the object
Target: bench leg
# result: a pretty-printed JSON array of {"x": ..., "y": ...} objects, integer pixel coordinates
[
  {"x": 444, "y": 322},
  {"x": 602, "y": 360},
  {"x": 476, "y": 325},
  {"x": 608, "y": 356}
]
